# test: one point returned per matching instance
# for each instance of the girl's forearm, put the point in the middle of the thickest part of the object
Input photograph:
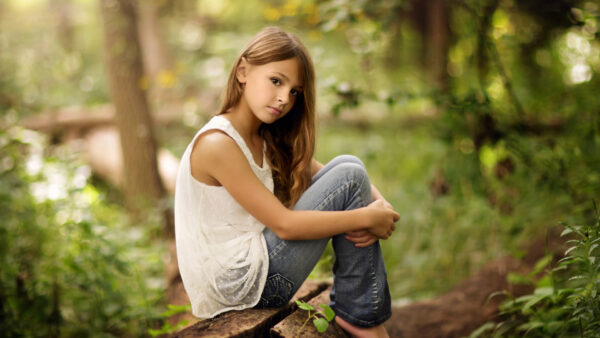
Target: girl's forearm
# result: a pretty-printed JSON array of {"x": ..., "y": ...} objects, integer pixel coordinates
[{"x": 310, "y": 224}]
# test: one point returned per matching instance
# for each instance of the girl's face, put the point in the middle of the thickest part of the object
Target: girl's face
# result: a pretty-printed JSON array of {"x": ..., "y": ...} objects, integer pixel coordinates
[{"x": 270, "y": 90}]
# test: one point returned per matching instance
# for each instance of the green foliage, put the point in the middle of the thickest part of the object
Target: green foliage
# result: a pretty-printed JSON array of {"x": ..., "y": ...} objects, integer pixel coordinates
[
  {"x": 71, "y": 263},
  {"x": 167, "y": 328},
  {"x": 63, "y": 66},
  {"x": 529, "y": 279},
  {"x": 451, "y": 234},
  {"x": 321, "y": 317},
  {"x": 566, "y": 301}
]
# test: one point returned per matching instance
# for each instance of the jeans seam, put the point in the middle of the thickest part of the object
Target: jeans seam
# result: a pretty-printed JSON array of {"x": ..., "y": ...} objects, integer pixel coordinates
[
  {"x": 280, "y": 281},
  {"x": 277, "y": 249},
  {"x": 375, "y": 290}
]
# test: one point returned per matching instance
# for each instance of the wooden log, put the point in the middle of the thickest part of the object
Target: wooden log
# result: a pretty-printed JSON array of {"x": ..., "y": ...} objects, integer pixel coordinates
[
  {"x": 103, "y": 151},
  {"x": 249, "y": 322},
  {"x": 293, "y": 325},
  {"x": 78, "y": 119},
  {"x": 70, "y": 118}
]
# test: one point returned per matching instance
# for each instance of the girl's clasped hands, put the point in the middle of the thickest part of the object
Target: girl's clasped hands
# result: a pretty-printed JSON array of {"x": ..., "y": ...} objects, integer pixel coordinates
[{"x": 381, "y": 216}]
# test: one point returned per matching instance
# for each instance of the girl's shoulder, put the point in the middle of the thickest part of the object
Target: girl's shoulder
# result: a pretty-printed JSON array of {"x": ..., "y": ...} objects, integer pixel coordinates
[
  {"x": 212, "y": 147},
  {"x": 211, "y": 150},
  {"x": 215, "y": 129}
]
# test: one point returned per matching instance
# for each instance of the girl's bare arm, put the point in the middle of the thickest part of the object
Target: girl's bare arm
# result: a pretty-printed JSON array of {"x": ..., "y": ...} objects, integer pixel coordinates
[{"x": 216, "y": 155}]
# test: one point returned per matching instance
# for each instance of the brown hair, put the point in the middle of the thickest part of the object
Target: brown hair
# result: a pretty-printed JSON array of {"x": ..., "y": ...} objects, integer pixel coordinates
[{"x": 291, "y": 139}]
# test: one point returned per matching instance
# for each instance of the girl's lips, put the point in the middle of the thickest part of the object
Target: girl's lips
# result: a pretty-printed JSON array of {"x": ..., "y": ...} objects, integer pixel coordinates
[{"x": 275, "y": 111}]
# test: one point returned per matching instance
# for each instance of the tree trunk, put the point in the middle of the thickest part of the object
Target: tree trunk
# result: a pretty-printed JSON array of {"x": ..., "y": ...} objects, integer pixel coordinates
[
  {"x": 437, "y": 42},
  {"x": 62, "y": 10},
  {"x": 431, "y": 20},
  {"x": 141, "y": 183},
  {"x": 154, "y": 51}
]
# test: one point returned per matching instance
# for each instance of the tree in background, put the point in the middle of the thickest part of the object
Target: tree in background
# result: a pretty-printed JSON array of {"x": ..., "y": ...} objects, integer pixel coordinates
[
  {"x": 156, "y": 57},
  {"x": 141, "y": 181}
]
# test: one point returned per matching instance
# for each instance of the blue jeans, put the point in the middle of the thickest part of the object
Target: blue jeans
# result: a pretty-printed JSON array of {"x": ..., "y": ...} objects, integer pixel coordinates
[{"x": 360, "y": 293}]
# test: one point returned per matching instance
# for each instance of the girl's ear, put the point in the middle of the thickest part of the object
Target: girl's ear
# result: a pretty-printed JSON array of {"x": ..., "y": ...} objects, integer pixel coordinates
[{"x": 242, "y": 70}]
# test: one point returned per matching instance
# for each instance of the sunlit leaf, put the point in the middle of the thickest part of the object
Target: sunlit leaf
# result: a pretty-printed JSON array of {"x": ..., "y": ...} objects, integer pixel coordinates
[
  {"x": 328, "y": 312},
  {"x": 304, "y": 306},
  {"x": 516, "y": 278},
  {"x": 482, "y": 329},
  {"x": 566, "y": 232},
  {"x": 571, "y": 249},
  {"x": 541, "y": 264},
  {"x": 321, "y": 324}
]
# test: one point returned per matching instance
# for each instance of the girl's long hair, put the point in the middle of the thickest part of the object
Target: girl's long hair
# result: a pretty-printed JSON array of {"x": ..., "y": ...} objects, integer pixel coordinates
[{"x": 291, "y": 139}]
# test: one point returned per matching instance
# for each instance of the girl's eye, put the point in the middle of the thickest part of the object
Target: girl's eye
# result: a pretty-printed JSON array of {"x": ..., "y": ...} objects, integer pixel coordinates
[
  {"x": 294, "y": 92},
  {"x": 275, "y": 81}
]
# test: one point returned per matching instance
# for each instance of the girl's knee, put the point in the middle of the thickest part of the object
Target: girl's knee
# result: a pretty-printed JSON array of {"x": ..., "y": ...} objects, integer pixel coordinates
[
  {"x": 354, "y": 172},
  {"x": 348, "y": 159}
]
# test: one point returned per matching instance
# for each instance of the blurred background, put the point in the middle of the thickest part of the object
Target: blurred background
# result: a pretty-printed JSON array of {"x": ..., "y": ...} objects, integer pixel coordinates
[{"x": 479, "y": 120}]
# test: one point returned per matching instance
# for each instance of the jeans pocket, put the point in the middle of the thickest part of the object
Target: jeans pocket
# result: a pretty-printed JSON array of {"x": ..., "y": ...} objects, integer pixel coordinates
[{"x": 277, "y": 292}]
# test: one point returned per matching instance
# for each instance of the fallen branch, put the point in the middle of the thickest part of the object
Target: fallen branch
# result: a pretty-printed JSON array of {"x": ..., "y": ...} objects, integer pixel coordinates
[{"x": 103, "y": 151}]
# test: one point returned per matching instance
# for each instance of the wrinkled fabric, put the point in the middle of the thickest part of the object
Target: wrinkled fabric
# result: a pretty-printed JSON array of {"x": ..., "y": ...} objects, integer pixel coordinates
[
  {"x": 360, "y": 293},
  {"x": 221, "y": 252}
]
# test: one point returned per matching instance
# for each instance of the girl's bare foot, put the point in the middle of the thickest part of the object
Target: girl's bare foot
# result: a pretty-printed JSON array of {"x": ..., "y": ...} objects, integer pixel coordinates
[{"x": 362, "y": 332}]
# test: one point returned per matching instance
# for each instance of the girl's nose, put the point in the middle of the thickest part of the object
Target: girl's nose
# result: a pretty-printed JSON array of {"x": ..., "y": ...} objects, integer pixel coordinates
[{"x": 282, "y": 98}]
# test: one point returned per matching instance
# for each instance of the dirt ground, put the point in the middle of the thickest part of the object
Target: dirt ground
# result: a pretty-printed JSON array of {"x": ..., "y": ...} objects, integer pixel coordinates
[{"x": 467, "y": 306}]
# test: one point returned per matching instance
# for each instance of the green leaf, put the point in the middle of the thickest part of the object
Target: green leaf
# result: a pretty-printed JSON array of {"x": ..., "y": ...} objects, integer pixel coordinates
[
  {"x": 566, "y": 232},
  {"x": 530, "y": 326},
  {"x": 545, "y": 281},
  {"x": 527, "y": 306},
  {"x": 594, "y": 246},
  {"x": 565, "y": 291},
  {"x": 565, "y": 259},
  {"x": 328, "y": 312},
  {"x": 516, "y": 278},
  {"x": 304, "y": 305},
  {"x": 544, "y": 291},
  {"x": 576, "y": 277},
  {"x": 541, "y": 264},
  {"x": 321, "y": 324},
  {"x": 482, "y": 329},
  {"x": 155, "y": 333},
  {"x": 523, "y": 299},
  {"x": 175, "y": 309},
  {"x": 570, "y": 249}
]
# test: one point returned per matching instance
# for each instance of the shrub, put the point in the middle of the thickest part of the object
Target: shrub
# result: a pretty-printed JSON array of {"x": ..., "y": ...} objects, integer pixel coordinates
[
  {"x": 71, "y": 263},
  {"x": 566, "y": 301}
]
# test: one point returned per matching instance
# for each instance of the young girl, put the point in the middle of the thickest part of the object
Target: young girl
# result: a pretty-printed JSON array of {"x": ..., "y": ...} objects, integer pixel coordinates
[{"x": 254, "y": 210}]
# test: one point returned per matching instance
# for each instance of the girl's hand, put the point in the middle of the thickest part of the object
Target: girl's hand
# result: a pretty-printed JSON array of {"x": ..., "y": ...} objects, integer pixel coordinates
[
  {"x": 382, "y": 218},
  {"x": 361, "y": 238}
]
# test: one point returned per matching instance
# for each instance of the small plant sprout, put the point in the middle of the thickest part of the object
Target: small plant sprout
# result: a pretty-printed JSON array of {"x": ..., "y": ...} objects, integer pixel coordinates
[{"x": 321, "y": 317}]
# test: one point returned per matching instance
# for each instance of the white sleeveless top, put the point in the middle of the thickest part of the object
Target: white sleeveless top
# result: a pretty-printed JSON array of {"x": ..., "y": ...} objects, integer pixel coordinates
[{"x": 222, "y": 254}]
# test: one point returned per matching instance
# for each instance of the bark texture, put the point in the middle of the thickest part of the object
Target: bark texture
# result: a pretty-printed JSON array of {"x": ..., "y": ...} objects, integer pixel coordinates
[
  {"x": 437, "y": 42},
  {"x": 141, "y": 182},
  {"x": 154, "y": 51}
]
